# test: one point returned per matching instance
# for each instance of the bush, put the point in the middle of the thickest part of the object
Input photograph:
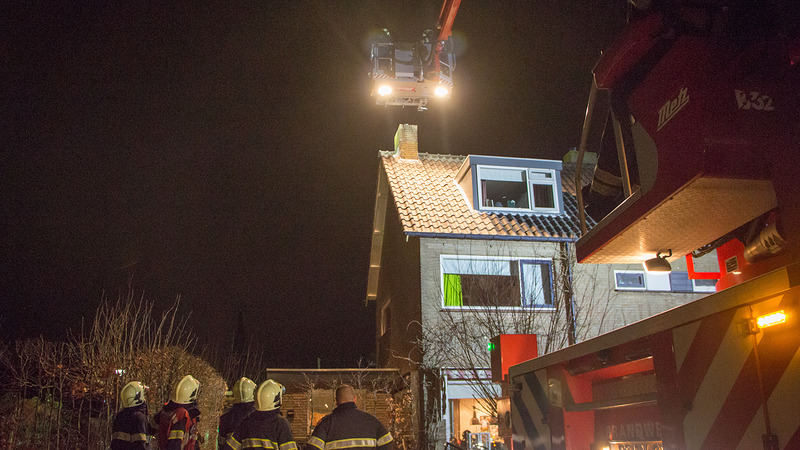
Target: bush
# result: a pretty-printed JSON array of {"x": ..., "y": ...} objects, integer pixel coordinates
[{"x": 65, "y": 394}]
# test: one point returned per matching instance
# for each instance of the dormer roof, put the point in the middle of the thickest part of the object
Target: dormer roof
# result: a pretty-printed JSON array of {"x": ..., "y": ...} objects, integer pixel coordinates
[{"x": 430, "y": 202}]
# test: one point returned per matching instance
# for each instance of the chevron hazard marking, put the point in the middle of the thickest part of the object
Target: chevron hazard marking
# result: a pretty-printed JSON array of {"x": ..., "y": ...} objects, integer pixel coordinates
[
  {"x": 776, "y": 349},
  {"x": 531, "y": 404}
]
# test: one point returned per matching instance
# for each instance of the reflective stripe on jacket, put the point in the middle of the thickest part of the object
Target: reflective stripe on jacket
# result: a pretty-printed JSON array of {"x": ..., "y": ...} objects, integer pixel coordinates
[
  {"x": 177, "y": 426},
  {"x": 263, "y": 429},
  {"x": 229, "y": 421},
  {"x": 349, "y": 427},
  {"x": 130, "y": 430}
]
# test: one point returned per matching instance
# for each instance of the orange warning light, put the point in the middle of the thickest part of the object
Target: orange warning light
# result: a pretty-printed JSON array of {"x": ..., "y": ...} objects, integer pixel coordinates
[{"x": 768, "y": 320}]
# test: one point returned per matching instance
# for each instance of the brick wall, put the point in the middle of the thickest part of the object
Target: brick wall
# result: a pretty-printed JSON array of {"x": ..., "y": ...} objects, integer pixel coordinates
[
  {"x": 595, "y": 282},
  {"x": 398, "y": 285},
  {"x": 377, "y": 404},
  {"x": 405, "y": 141},
  {"x": 298, "y": 402}
]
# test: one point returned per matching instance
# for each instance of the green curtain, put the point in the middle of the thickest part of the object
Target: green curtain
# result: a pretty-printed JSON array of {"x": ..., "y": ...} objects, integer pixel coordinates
[{"x": 452, "y": 290}]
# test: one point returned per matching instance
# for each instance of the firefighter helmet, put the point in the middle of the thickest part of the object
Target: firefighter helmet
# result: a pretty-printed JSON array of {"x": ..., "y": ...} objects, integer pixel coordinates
[
  {"x": 269, "y": 396},
  {"x": 185, "y": 390},
  {"x": 132, "y": 394},
  {"x": 243, "y": 390}
]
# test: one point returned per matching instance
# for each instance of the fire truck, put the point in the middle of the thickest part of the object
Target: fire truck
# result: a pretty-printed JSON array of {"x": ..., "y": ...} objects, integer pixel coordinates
[
  {"x": 412, "y": 73},
  {"x": 722, "y": 372},
  {"x": 695, "y": 114}
]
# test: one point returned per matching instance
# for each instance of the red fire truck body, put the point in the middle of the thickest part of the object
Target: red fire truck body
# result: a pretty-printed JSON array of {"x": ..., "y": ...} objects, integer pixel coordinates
[
  {"x": 701, "y": 376},
  {"x": 695, "y": 114}
]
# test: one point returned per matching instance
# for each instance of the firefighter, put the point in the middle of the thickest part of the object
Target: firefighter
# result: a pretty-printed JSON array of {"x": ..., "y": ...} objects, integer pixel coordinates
[
  {"x": 350, "y": 427},
  {"x": 177, "y": 421},
  {"x": 130, "y": 430},
  {"x": 265, "y": 427},
  {"x": 243, "y": 405}
]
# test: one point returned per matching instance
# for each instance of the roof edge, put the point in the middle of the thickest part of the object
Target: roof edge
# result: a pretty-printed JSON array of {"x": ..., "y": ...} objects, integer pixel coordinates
[{"x": 488, "y": 237}]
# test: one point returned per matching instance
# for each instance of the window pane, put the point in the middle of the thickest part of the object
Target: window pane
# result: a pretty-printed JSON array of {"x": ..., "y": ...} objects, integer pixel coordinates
[
  {"x": 543, "y": 196},
  {"x": 504, "y": 188},
  {"x": 497, "y": 174},
  {"x": 452, "y": 290},
  {"x": 680, "y": 282},
  {"x": 386, "y": 318},
  {"x": 476, "y": 266},
  {"x": 490, "y": 290},
  {"x": 322, "y": 404},
  {"x": 536, "y": 284},
  {"x": 705, "y": 285},
  {"x": 480, "y": 282},
  {"x": 629, "y": 280},
  {"x": 505, "y": 194}
]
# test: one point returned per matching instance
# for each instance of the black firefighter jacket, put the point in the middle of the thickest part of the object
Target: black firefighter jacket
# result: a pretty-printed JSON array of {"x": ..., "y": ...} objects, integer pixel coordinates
[
  {"x": 349, "y": 427},
  {"x": 130, "y": 429},
  {"x": 263, "y": 429},
  {"x": 231, "y": 419}
]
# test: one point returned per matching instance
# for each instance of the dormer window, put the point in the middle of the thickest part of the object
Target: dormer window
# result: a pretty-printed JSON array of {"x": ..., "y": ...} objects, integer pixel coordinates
[{"x": 512, "y": 185}]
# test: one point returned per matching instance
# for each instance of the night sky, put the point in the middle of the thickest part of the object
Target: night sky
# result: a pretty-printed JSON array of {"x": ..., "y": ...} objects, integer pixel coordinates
[{"x": 227, "y": 152}]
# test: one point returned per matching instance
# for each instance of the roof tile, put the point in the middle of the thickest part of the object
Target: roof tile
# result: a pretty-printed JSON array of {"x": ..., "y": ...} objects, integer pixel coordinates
[{"x": 428, "y": 200}]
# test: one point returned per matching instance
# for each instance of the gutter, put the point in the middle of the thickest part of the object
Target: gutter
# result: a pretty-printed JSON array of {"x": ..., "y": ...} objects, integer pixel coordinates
[{"x": 490, "y": 237}]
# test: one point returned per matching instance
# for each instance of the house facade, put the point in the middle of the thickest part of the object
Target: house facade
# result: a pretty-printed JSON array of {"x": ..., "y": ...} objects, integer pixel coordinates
[{"x": 468, "y": 247}]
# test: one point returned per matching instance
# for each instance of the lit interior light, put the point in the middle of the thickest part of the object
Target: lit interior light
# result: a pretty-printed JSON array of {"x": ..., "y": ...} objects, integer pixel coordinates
[
  {"x": 384, "y": 90},
  {"x": 441, "y": 91},
  {"x": 771, "y": 319}
]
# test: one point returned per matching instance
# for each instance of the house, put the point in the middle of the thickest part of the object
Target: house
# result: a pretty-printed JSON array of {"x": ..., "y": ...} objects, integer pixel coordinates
[{"x": 466, "y": 247}]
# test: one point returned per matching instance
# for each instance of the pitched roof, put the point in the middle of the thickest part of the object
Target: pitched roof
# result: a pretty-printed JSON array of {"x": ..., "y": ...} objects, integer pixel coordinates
[{"x": 430, "y": 202}]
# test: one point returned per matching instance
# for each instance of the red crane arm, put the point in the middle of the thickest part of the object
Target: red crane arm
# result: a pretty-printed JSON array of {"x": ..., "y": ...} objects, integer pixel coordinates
[{"x": 446, "y": 17}]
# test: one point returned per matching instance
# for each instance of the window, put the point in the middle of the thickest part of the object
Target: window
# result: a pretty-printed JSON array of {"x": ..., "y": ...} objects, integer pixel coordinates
[
  {"x": 680, "y": 282},
  {"x": 322, "y": 403},
  {"x": 629, "y": 280},
  {"x": 675, "y": 281},
  {"x": 495, "y": 282},
  {"x": 518, "y": 188},
  {"x": 705, "y": 285},
  {"x": 511, "y": 185},
  {"x": 543, "y": 187},
  {"x": 504, "y": 188},
  {"x": 386, "y": 318}
]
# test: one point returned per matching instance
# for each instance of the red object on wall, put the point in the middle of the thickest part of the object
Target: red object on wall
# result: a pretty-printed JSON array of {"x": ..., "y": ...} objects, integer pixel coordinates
[
  {"x": 510, "y": 349},
  {"x": 699, "y": 275}
]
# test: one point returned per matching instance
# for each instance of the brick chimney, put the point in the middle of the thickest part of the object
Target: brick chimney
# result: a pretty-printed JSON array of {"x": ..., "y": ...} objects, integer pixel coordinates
[{"x": 405, "y": 141}]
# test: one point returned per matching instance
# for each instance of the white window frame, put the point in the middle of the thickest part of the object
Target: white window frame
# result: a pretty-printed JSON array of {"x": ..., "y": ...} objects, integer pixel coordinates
[
  {"x": 630, "y": 288},
  {"x": 551, "y": 181},
  {"x": 530, "y": 182},
  {"x": 652, "y": 282},
  {"x": 518, "y": 261}
]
